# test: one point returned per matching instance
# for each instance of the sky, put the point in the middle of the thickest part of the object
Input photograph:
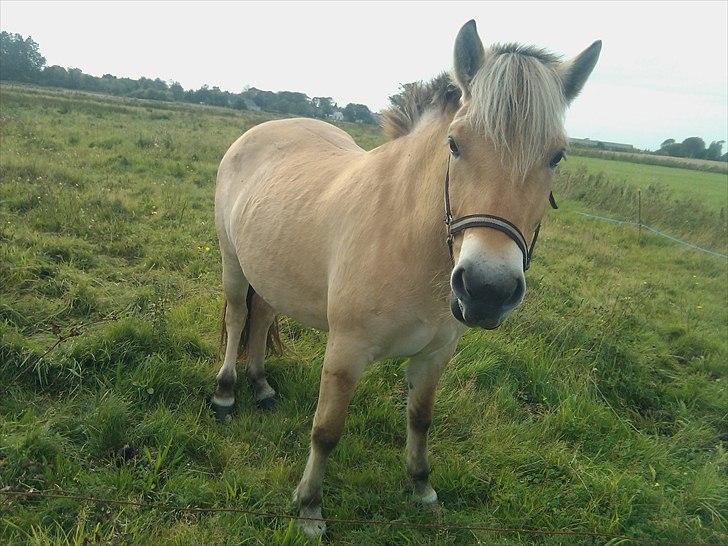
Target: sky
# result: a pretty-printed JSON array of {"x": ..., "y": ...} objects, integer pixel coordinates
[{"x": 663, "y": 71}]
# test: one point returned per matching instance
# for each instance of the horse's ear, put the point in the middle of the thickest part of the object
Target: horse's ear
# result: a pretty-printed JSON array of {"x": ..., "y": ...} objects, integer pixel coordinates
[
  {"x": 469, "y": 56},
  {"x": 575, "y": 72}
]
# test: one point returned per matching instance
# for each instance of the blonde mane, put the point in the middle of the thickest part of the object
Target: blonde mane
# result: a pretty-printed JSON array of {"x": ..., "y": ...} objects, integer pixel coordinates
[{"x": 516, "y": 100}]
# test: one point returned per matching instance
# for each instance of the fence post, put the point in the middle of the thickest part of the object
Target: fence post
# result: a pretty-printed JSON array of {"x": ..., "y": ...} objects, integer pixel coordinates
[{"x": 639, "y": 216}]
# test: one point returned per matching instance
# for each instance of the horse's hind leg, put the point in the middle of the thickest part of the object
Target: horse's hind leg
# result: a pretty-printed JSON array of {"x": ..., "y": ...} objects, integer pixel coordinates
[
  {"x": 261, "y": 318},
  {"x": 235, "y": 288}
]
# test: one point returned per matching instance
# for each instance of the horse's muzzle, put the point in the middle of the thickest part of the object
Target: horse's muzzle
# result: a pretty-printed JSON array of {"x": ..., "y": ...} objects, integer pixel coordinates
[
  {"x": 487, "y": 318},
  {"x": 484, "y": 301}
]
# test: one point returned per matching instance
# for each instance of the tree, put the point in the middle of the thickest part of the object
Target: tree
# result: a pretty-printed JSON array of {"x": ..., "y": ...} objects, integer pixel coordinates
[
  {"x": 265, "y": 100},
  {"x": 359, "y": 113},
  {"x": 291, "y": 102},
  {"x": 178, "y": 92},
  {"x": 218, "y": 97},
  {"x": 667, "y": 143},
  {"x": 323, "y": 106},
  {"x": 714, "y": 150},
  {"x": 20, "y": 59},
  {"x": 239, "y": 102},
  {"x": 693, "y": 147},
  {"x": 55, "y": 76}
]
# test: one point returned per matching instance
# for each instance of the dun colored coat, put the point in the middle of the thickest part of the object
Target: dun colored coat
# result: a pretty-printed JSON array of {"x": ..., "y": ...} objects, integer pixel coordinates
[{"x": 353, "y": 242}]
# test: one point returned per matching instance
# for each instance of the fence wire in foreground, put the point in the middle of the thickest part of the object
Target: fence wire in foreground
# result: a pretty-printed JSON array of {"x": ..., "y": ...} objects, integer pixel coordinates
[
  {"x": 657, "y": 232},
  {"x": 363, "y": 522}
]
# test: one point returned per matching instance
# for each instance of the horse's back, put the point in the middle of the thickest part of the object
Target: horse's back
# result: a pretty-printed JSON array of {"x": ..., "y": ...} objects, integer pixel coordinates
[
  {"x": 267, "y": 149},
  {"x": 289, "y": 136}
]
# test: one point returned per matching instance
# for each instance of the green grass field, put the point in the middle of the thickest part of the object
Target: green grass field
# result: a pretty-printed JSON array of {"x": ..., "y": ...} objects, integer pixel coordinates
[
  {"x": 600, "y": 406},
  {"x": 646, "y": 158},
  {"x": 710, "y": 189}
]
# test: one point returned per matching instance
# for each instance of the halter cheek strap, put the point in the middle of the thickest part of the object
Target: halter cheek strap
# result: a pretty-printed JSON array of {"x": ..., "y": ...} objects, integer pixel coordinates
[{"x": 456, "y": 225}]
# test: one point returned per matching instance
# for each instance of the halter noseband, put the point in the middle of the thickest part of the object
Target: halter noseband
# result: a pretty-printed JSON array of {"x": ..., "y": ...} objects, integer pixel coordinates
[{"x": 456, "y": 225}]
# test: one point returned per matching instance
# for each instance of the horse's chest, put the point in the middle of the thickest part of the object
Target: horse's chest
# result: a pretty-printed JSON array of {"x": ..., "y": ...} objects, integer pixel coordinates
[
  {"x": 410, "y": 341},
  {"x": 418, "y": 337}
]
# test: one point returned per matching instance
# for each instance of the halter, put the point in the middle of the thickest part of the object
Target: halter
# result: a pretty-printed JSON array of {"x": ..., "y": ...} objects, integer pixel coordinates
[{"x": 456, "y": 225}]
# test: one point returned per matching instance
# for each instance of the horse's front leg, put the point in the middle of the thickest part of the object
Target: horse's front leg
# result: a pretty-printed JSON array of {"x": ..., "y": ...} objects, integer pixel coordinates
[
  {"x": 344, "y": 363},
  {"x": 423, "y": 373}
]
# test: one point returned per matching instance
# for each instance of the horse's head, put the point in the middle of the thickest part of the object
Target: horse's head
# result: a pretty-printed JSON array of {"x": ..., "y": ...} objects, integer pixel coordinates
[{"x": 505, "y": 141}]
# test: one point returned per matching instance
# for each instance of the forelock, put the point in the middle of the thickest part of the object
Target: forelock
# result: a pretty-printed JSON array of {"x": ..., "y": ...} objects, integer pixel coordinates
[{"x": 516, "y": 100}]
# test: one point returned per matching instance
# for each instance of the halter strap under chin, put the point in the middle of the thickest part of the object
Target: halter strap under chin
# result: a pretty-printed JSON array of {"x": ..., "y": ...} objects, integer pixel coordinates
[{"x": 456, "y": 225}]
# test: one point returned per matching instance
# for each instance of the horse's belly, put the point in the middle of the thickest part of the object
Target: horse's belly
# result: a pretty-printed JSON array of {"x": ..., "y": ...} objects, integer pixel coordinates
[
  {"x": 306, "y": 305},
  {"x": 285, "y": 263}
]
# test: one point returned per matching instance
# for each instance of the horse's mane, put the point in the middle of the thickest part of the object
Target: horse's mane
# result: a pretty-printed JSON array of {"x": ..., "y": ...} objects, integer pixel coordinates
[
  {"x": 516, "y": 100},
  {"x": 415, "y": 99}
]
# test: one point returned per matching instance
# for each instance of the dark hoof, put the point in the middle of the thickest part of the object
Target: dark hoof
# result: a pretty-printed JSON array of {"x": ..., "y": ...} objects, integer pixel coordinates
[
  {"x": 266, "y": 403},
  {"x": 221, "y": 412}
]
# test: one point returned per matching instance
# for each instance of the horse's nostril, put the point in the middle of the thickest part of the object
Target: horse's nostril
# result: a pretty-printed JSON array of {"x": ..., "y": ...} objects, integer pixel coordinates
[
  {"x": 518, "y": 292},
  {"x": 458, "y": 282}
]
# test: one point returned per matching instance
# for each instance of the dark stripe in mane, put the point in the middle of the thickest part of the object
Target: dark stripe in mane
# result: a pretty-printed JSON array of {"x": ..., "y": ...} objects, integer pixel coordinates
[
  {"x": 415, "y": 99},
  {"x": 542, "y": 55}
]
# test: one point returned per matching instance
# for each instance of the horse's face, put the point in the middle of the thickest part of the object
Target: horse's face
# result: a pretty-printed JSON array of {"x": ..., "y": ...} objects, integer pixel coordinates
[
  {"x": 504, "y": 145},
  {"x": 488, "y": 279}
]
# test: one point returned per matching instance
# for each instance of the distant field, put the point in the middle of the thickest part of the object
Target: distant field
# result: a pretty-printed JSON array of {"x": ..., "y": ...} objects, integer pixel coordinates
[
  {"x": 652, "y": 159},
  {"x": 600, "y": 406},
  {"x": 709, "y": 188}
]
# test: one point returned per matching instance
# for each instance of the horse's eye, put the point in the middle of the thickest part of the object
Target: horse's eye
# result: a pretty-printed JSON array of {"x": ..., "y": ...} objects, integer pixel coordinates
[
  {"x": 558, "y": 156},
  {"x": 454, "y": 150}
]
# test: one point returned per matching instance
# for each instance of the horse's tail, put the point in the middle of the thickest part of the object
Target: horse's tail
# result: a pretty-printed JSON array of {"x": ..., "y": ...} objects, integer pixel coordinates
[{"x": 273, "y": 343}]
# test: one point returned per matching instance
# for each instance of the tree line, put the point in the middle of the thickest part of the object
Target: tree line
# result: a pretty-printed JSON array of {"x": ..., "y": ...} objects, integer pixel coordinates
[
  {"x": 21, "y": 61},
  {"x": 693, "y": 147}
]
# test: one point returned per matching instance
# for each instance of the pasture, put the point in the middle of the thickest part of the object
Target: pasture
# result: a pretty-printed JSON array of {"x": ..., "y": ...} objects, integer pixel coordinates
[
  {"x": 708, "y": 188},
  {"x": 600, "y": 406},
  {"x": 706, "y": 165}
]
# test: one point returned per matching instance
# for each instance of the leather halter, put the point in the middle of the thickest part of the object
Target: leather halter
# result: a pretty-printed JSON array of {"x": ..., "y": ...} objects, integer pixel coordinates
[{"x": 456, "y": 225}]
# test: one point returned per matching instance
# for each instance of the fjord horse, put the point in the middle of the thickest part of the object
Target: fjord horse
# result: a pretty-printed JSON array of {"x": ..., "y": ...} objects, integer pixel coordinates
[{"x": 353, "y": 242}]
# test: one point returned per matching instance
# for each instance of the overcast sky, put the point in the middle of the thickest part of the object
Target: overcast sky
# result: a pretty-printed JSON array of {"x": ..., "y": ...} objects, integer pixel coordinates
[{"x": 663, "y": 71}]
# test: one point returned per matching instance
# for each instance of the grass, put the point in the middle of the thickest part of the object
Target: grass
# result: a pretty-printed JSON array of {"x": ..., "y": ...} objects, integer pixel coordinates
[
  {"x": 688, "y": 218},
  {"x": 600, "y": 406},
  {"x": 709, "y": 188}
]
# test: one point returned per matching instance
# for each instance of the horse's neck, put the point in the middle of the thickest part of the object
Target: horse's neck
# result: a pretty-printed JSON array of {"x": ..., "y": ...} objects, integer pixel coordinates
[{"x": 420, "y": 159}]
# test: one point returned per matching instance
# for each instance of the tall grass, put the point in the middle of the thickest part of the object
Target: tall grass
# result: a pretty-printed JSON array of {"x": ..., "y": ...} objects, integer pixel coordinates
[{"x": 683, "y": 216}]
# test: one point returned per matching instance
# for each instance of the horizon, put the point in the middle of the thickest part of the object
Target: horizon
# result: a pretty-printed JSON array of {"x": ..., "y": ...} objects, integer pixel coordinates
[{"x": 646, "y": 87}]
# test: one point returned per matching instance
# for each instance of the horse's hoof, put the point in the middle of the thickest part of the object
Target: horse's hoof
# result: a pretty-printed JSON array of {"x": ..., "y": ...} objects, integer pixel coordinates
[
  {"x": 266, "y": 403},
  {"x": 221, "y": 411},
  {"x": 426, "y": 496},
  {"x": 314, "y": 527}
]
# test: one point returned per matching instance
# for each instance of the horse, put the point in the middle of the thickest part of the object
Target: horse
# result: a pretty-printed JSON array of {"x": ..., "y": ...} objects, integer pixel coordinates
[{"x": 395, "y": 251}]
